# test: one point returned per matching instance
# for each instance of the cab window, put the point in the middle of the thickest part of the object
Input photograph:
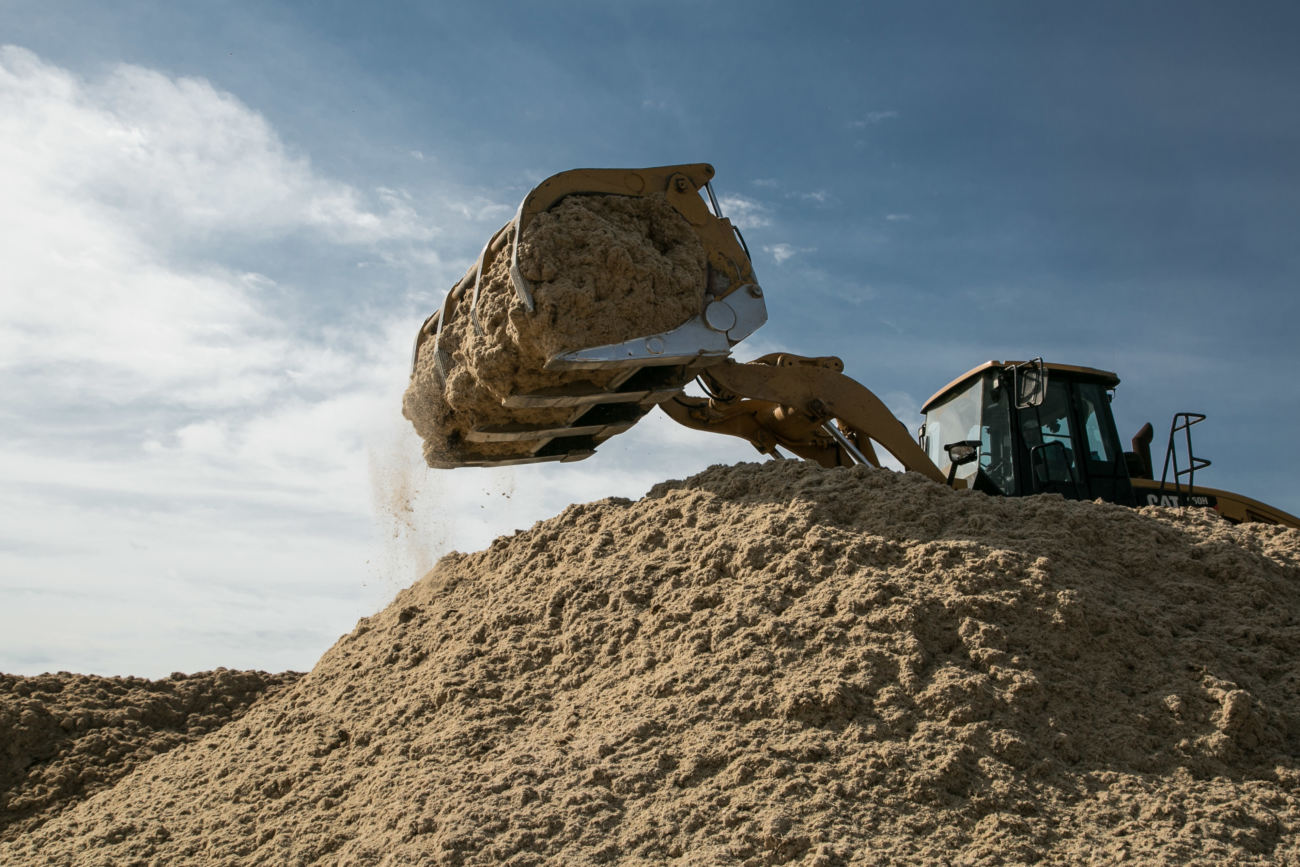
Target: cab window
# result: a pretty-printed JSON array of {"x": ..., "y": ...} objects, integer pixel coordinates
[
  {"x": 977, "y": 414},
  {"x": 956, "y": 420},
  {"x": 1096, "y": 431},
  {"x": 1046, "y": 431}
]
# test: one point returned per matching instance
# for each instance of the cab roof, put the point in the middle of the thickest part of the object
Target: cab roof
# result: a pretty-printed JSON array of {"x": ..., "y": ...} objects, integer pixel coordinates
[{"x": 1074, "y": 371}]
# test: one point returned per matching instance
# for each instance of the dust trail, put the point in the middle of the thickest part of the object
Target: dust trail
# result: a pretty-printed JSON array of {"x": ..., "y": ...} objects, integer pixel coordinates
[{"x": 414, "y": 520}]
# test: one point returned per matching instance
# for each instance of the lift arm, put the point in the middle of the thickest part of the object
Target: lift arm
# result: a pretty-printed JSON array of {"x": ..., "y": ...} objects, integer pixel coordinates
[{"x": 805, "y": 405}]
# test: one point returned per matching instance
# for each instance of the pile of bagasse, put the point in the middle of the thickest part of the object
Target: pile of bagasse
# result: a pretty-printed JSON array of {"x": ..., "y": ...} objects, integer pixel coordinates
[
  {"x": 763, "y": 664},
  {"x": 601, "y": 270}
]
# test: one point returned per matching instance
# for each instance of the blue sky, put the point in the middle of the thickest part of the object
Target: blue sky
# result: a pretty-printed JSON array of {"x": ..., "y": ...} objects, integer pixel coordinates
[{"x": 222, "y": 224}]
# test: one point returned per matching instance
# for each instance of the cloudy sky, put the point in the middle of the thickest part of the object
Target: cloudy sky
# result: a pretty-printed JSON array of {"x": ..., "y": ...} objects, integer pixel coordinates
[{"x": 222, "y": 224}]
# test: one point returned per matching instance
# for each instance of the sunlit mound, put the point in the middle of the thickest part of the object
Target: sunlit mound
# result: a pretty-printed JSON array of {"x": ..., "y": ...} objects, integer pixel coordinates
[{"x": 771, "y": 664}]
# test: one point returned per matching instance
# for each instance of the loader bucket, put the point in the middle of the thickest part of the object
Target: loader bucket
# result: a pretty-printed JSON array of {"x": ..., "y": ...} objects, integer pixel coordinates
[{"x": 605, "y": 295}]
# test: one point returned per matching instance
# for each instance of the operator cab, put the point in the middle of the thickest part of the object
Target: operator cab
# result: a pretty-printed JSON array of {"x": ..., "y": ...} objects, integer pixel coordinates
[{"x": 1019, "y": 428}]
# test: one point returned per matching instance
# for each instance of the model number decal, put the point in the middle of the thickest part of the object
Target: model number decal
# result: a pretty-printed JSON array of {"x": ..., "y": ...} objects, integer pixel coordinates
[{"x": 1175, "y": 500}]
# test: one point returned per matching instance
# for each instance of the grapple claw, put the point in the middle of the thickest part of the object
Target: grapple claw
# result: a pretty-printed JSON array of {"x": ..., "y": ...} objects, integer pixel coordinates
[{"x": 608, "y": 292}]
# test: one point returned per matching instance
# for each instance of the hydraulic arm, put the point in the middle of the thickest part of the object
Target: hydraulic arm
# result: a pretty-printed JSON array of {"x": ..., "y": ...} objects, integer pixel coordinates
[{"x": 805, "y": 405}]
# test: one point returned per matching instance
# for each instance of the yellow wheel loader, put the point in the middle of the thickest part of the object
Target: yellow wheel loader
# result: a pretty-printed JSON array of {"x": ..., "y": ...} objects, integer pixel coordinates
[{"x": 1005, "y": 428}]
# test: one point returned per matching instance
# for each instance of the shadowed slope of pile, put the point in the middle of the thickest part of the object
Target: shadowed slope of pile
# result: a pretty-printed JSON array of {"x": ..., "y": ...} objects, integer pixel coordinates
[
  {"x": 64, "y": 736},
  {"x": 772, "y": 664}
]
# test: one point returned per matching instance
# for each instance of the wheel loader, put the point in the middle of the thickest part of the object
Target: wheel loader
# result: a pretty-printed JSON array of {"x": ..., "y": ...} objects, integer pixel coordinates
[{"x": 1006, "y": 428}]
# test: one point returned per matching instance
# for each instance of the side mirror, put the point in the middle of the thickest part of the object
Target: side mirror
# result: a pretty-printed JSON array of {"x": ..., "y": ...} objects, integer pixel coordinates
[
  {"x": 962, "y": 452},
  {"x": 1029, "y": 382}
]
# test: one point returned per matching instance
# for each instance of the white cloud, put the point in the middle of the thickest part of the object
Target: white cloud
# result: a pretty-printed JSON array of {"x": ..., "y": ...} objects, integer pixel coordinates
[
  {"x": 481, "y": 208},
  {"x": 99, "y": 177},
  {"x": 174, "y": 155},
  {"x": 782, "y": 252},
  {"x": 177, "y": 445},
  {"x": 818, "y": 196},
  {"x": 872, "y": 118},
  {"x": 745, "y": 212}
]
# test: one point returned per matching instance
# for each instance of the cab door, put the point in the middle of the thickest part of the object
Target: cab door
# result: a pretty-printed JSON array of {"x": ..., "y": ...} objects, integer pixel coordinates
[
  {"x": 1048, "y": 452},
  {"x": 1068, "y": 444},
  {"x": 1101, "y": 455}
]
